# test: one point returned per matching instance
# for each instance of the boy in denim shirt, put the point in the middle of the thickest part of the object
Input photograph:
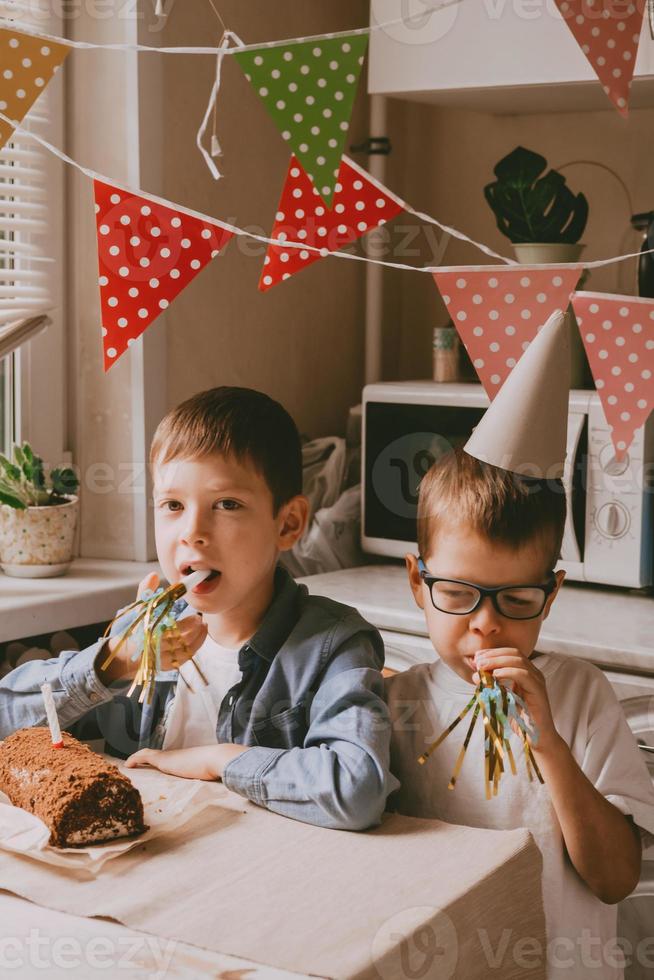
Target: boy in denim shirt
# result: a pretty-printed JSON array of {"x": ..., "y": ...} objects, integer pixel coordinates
[{"x": 293, "y": 716}]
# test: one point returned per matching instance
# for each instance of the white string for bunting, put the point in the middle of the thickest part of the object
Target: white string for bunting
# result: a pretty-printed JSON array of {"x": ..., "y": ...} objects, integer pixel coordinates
[
  {"x": 217, "y": 13},
  {"x": 215, "y": 150},
  {"x": 29, "y": 29},
  {"x": 460, "y": 235},
  {"x": 234, "y": 229},
  {"x": 264, "y": 239}
]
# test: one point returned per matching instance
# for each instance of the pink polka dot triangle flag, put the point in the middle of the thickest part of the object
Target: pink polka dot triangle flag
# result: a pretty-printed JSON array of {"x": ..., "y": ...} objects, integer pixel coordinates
[
  {"x": 360, "y": 204},
  {"x": 618, "y": 334},
  {"x": 27, "y": 64},
  {"x": 148, "y": 252},
  {"x": 308, "y": 88},
  {"x": 608, "y": 33},
  {"x": 497, "y": 311}
]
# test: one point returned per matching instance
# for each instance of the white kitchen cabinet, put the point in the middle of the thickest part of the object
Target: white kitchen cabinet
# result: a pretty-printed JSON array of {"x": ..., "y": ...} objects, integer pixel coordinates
[{"x": 501, "y": 56}]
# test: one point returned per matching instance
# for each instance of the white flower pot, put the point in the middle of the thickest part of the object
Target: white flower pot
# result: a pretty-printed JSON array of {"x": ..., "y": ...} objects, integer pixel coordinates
[
  {"x": 547, "y": 253},
  {"x": 38, "y": 542},
  {"x": 543, "y": 253}
]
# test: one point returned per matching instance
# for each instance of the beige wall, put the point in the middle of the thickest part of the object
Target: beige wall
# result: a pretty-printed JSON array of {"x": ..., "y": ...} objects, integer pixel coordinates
[
  {"x": 443, "y": 158},
  {"x": 99, "y": 104},
  {"x": 302, "y": 342}
]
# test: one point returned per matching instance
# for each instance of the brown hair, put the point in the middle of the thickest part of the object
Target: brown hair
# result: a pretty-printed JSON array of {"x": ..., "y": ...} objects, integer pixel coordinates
[
  {"x": 239, "y": 422},
  {"x": 502, "y": 506}
]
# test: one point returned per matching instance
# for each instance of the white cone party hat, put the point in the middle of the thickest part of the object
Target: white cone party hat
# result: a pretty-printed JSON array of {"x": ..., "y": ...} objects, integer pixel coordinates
[{"x": 525, "y": 428}]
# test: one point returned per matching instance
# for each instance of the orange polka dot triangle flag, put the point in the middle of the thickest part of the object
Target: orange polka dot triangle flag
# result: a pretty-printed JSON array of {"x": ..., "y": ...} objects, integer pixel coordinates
[
  {"x": 608, "y": 32},
  {"x": 618, "y": 334},
  {"x": 27, "y": 64},
  {"x": 148, "y": 252},
  {"x": 497, "y": 311},
  {"x": 308, "y": 88},
  {"x": 360, "y": 204}
]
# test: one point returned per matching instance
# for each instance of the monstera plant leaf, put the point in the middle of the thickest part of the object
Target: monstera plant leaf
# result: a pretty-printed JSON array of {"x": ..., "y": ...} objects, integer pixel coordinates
[{"x": 530, "y": 207}]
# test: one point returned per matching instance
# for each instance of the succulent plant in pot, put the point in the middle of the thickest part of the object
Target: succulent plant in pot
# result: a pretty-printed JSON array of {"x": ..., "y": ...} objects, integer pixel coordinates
[
  {"x": 38, "y": 515},
  {"x": 536, "y": 210}
]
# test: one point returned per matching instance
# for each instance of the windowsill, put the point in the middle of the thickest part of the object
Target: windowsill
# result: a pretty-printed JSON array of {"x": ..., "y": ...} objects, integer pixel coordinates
[{"x": 91, "y": 592}]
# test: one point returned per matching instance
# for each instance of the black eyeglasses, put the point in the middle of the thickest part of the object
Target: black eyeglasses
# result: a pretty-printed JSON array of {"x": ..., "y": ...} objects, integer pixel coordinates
[{"x": 462, "y": 598}]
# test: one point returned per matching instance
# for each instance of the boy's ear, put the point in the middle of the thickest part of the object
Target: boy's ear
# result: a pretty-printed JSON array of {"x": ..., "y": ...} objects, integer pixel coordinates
[
  {"x": 293, "y": 517},
  {"x": 414, "y": 579},
  {"x": 559, "y": 576}
]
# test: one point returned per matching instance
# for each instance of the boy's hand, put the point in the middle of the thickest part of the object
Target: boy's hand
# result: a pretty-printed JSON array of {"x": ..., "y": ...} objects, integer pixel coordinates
[
  {"x": 177, "y": 646},
  {"x": 203, "y": 762},
  {"x": 509, "y": 664}
]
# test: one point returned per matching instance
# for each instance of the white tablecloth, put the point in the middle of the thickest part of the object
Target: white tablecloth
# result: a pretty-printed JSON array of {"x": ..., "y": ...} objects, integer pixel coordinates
[{"x": 411, "y": 895}]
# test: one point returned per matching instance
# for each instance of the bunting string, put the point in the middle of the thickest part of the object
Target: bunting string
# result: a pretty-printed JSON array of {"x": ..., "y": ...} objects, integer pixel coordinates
[
  {"x": 116, "y": 46},
  {"x": 150, "y": 249},
  {"x": 137, "y": 283},
  {"x": 215, "y": 150},
  {"x": 266, "y": 240}
]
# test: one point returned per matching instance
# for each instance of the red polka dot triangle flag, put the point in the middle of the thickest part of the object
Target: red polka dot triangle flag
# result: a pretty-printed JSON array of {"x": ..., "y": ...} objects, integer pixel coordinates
[
  {"x": 308, "y": 88},
  {"x": 618, "y": 334},
  {"x": 498, "y": 311},
  {"x": 148, "y": 252},
  {"x": 360, "y": 204},
  {"x": 608, "y": 33}
]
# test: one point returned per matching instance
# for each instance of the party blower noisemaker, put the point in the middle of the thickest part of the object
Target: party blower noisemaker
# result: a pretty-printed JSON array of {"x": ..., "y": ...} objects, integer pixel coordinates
[{"x": 156, "y": 614}]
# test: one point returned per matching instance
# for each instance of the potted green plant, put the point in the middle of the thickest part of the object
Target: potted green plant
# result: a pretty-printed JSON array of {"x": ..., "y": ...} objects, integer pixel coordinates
[
  {"x": 536, "y": 210},
  {"x": 38, "y": 516}
]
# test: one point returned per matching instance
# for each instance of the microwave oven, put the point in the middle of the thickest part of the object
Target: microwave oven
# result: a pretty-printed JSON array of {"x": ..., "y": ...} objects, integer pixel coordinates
[{"x": 610, "y": 525}]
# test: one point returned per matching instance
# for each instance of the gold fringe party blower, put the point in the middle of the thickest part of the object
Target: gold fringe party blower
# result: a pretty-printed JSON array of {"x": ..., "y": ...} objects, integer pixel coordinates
[
  {"x": 157, "y": 612},
  {"x": 501, "y": 710}
]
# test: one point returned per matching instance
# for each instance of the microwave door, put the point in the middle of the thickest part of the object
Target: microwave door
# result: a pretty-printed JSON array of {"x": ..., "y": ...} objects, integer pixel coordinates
[{"x": 570, "y": 551}]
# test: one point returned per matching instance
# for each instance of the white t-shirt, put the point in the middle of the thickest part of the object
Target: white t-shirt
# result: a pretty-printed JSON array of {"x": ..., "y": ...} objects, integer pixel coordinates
[
  {"x": 425, "y": 700},
  {"x": 193, "y": 714}
]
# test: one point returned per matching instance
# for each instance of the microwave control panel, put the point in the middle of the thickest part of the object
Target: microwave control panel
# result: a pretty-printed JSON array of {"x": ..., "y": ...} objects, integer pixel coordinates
[{"x": 619, "y": 506}]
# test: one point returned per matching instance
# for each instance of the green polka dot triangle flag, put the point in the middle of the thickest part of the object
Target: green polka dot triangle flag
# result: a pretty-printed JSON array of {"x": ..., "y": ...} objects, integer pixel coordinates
[
  {"x": 309, "y": 88},
  {"x": 148, "y": 252}
]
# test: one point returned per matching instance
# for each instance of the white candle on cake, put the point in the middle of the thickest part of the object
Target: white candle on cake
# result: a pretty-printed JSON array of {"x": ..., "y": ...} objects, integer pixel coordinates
[{"x": 53, "y": 719}]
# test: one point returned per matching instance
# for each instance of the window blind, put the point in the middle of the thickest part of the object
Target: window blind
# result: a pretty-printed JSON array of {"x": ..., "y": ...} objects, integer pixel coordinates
[{"x": 25, "y": 266}]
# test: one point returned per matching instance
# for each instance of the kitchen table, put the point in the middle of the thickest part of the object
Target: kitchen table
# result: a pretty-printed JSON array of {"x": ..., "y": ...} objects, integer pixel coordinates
[{"x": 242, "y": 892}]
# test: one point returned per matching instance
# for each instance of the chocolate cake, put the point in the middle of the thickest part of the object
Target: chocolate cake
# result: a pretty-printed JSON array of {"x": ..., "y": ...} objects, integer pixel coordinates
[{"x": 80, "y": 797}]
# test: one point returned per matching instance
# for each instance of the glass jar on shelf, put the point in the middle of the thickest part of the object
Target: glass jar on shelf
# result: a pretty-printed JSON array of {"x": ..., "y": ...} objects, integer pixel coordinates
[{"x": 446, "y": 345}]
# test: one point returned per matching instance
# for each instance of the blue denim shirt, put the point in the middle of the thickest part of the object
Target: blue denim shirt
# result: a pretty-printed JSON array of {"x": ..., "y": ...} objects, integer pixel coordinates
[{"x": 310, "y": 704}]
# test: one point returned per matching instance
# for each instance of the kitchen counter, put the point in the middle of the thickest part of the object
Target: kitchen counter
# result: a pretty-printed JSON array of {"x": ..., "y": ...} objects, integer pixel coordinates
[{"x": 611, "y": 627}]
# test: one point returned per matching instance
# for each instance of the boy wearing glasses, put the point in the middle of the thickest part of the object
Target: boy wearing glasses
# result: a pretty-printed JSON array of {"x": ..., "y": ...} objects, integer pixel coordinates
[
  {"x": 488, "y": 542},
  {"x": 489, "y": 538}
]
